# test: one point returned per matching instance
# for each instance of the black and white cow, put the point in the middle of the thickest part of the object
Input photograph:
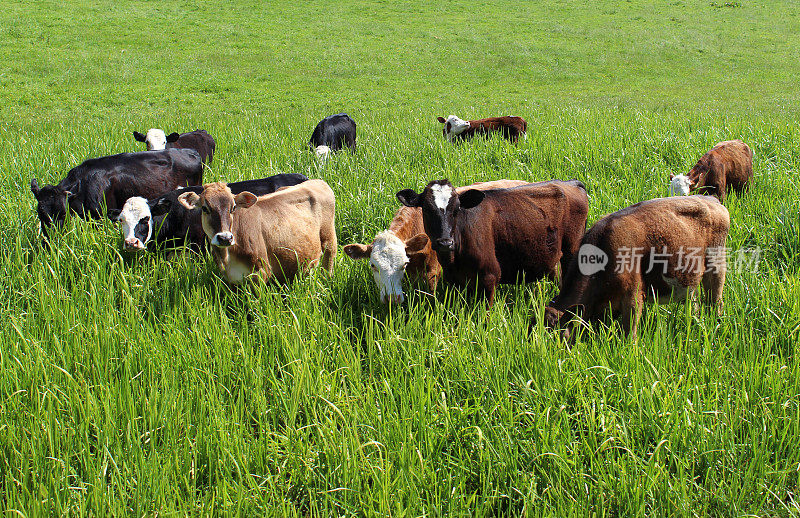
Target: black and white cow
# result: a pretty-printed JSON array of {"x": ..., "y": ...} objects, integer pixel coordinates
[
  {"x": 170, "y": 223},
  {"x": 332, "y": 134},
  {"x": 114, "y": 179},
  {"x": 199, "y": 140}
]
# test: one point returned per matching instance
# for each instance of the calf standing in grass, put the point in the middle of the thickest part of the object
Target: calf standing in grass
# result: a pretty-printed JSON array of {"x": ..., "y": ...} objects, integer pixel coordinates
[
  {"x": 405, "y": 249},
  {"x": 728, "y": 165},
  {"x": 660, "y": 248},
  {"x": 199, "y": 140},
  {"x": 498, "y": 235},
  {"x": 275, "y": 236},
  {"x": 510, "y": 127},
  {"x": 333, "y": 133}
]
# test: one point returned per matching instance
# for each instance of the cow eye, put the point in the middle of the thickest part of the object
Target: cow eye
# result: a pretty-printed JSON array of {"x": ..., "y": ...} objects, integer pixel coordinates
[
  {"x": 145, "y": 220},
  {"x": 206, "y": 209}
]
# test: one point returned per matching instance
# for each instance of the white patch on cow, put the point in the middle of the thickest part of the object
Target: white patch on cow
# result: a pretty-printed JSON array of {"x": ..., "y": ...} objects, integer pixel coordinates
[
  {"x": 388, "y": 262},
  {"x": 322, "y": 153},
  {"x": 457, "y": 126},
  {"x": 236, "y": 271},
  {"x": 132, "y": 212},
  {"x": 222, "y": 235},
  {"x": 442, "y": 195},
  {"x": 155, "y": 139},
  {"x": 680, "y": 185}
]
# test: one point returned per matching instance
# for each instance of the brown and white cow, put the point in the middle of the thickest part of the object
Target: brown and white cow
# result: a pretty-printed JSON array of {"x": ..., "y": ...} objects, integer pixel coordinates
[
  {"x": 498, "y": 235},
  {"x": 276, "y": 235},
  {"x": 199, "y": 140},
  {"x": 405, "y": 249},
  {"x": 662, "y": 248},
  {"x": 728, "y": 165},
  {"x": 510, "y": 127}
]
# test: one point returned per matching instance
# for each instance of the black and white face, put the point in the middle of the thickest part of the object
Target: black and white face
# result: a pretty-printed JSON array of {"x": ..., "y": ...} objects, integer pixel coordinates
[
  {"x": 51, "y": 204},
  {"x": 136, "y": 222}
]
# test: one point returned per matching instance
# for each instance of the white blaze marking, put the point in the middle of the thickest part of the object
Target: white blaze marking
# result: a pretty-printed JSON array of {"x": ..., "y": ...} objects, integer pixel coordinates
[
  {"x": 680, "y": 185},
  {"x": 442, "y": 195},
  {"x": 155, "y": 139},
  {"x": 132, "y": 212},
  {"x": 457, "y": 126}
]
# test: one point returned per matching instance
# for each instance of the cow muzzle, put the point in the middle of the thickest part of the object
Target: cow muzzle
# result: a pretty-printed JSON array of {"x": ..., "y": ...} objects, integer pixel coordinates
[
  {"x": 395, "y": 299},
  {"x": 222, "y": 239},
  {"x": 133, "y": 244},
  {"x": 444, "y": 245}
]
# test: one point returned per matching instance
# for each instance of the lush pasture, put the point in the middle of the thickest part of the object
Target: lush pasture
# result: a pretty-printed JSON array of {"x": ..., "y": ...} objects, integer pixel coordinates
[{"x": 143, "y": 385}]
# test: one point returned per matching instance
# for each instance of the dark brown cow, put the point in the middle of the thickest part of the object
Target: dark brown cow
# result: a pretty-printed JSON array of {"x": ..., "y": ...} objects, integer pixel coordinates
[
  {"x": 405, "y": 249},
  {"x": 728, "y": 165},
  {"x": 498, "y": 235},
  {"x": 276, "y": 235},
  {"x": 510, "y": 127},
  {"x": 660, "y": 248}
]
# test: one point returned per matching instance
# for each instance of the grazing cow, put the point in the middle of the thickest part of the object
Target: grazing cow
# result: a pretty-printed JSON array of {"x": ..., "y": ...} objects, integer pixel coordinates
[
  {"x": 659, "y": 248},
  {"x": 115, "y": 178},
  {"x": 332, "y": 134},
  {"x": 199, "y": 140},
  {"x": 728, "y": 165},
  {"x": 171, "y": 223},
  {"x": 499, "y": 234},
  {"x": 276, "y": 235},
  {"x": 405, "y": 249},
  {"x": 510, "y": 127}
]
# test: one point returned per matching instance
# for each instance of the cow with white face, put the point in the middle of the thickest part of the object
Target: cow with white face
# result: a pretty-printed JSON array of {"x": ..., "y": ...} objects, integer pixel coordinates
[
  {"x": 155, "y": 138},
  {"x": 453, "y": 126},
  {"x": 509, "y": 127},
  {"x": 199, "y": 140},
  {"x": 136, "y": 222},
  {"x": 680, "y": 185}
]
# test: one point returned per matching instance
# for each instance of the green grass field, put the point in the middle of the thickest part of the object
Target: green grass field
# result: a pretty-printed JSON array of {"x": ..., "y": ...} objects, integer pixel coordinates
[{"x": 144, "y": 385}]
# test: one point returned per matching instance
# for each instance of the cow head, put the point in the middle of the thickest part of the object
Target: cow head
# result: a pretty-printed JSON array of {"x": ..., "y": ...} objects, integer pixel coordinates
[
  {"x": 322, "y": 152},
  {"x": 441, "y": 205},
  {"x": 218, "y": 205},
  {"x": 136, "y": 220},
  {"x": 51, "y": 204},
  {"x": 559, "y": 320},
  {"x": 680, "y": 185},
  {"x": 453, "y": 126},
  {"x": 156, "y": 139},
  {"x": 389, "y": 257}
]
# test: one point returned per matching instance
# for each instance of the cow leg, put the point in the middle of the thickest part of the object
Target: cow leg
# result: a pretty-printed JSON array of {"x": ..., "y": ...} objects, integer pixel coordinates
[
  {"x": 712, "y": 284},
  {"x": 631, "y": 312},
  {"x": 488, "y": 283},
  {"x": 328, "y": 239}
]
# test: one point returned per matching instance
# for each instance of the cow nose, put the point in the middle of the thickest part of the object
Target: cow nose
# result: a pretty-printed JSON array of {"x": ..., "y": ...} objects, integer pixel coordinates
[
  {"x": 397, "y": 299},
  {"x": 444, "y": 244},
  {"x": 223, "y": 239},
  {"x": 133, "y": 243}
]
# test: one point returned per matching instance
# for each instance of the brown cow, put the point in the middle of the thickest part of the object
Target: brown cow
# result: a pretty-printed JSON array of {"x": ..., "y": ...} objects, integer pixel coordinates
[
  {"x": 405, "y": 249},
  {"x": 275, "y": 235},
  {"x": 658, "y": 248},
  {"x": 510, "y": 127},
  {"x": 729, "y": 165},
  {"x": 499, "y": 234}
]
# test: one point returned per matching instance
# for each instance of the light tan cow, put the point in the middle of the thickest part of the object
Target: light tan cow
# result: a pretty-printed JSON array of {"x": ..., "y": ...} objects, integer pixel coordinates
[
  {"x": 276, "y": 235},
  {"x": 405, "y": 249}
]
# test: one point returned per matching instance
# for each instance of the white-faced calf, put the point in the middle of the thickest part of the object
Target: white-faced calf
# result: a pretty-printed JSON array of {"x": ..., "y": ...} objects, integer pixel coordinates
[
  {"x": 727, "y": 166},
  {"x": 199, "y": 140},
  {"x": 510, "y": 127}
]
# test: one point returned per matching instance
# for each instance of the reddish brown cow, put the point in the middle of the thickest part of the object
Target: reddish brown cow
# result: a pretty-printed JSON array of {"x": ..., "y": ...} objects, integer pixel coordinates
[
  {"x": 510, "y": 127},
  {"x": 661, "y": 248},
  {"x": 498, "y": 235},
  {"x": 405, "y": 249},
  {"x": 728, "y": 165}
]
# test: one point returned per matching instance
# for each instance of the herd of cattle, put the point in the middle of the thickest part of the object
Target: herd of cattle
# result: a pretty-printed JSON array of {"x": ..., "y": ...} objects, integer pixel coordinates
[{"x": 479, "y": 236}]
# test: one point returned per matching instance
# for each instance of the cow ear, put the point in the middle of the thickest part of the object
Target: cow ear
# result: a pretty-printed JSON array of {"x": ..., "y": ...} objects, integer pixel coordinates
[
  {"x": 416, "y": 244},
  {"x": 138, "y": 136},
  {"x": 172, "y": 137},
  {"x": 671, "y": 176},
  {"x": 113, "y": 214},
  {"x": 409, "y": 198},
  {"x": 416, "y": 261},
  {"x": 160, "y": 206},
  {"x": 471, "y": 198},
  {"x": 440, "y": 119},
  {"x": 190, "y": 200},
  {"x": 245, "y": 199},
  {"x": 35, "y": 187},
  {"x": 358, "y": 251}
]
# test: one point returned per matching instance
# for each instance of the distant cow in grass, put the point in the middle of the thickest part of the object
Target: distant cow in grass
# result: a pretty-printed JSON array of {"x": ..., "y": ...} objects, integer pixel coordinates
[
  {"x": 727, "y": 166},
  {"x": 112, "y": 180},
  {"x": 497, "y": 236},
  {"x": 275, "y": 236},
  {"x": 662, "y": 248},
  {"x": 199, "y": 140},
  {"x": 404, "y": 249},
  {"x": 333, "y": 133},
  {"x": 510, "y": 127},
  {"x": 169, "y": 222}
]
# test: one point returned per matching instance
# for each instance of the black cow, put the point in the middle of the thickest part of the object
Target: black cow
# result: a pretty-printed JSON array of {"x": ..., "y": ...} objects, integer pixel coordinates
[
  {"x": 114, "y": 179},
  {"x": 199, "y": 140},
  {"x": 332, "y": 134},
  {"x": 172, "y": 223}
]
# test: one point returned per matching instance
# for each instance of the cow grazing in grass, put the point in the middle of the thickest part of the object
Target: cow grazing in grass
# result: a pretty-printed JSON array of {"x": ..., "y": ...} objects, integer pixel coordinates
[
  {"x": 498, "y": 235},
  {"x": 404, "y": 249},
  {"x": 727, "y": 166},
  {"x": 662, "y": 248},
  {"x": 333, "y": 133},
  {"x": 199, "y": 140},
  {"x": 170, "y": 223},
  {"x": 510, "y": 127},
  {"x": 113, "y": 179},
  {"x": 275, "y": 236}
]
